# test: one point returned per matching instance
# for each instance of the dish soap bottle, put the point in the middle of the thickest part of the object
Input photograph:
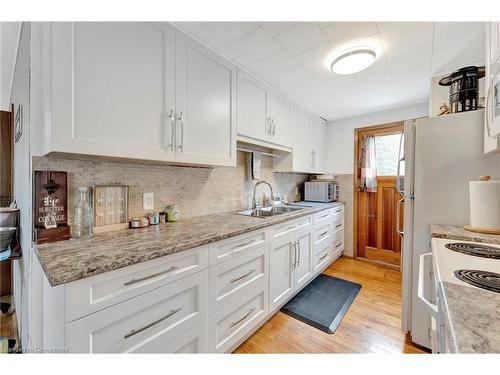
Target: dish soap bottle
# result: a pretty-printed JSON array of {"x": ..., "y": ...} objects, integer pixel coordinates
[{"x": 83, "y": 214}]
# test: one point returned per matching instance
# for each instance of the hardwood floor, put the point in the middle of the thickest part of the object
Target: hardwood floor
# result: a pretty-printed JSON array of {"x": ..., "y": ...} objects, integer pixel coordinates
[{"x": 372, "y": 324}]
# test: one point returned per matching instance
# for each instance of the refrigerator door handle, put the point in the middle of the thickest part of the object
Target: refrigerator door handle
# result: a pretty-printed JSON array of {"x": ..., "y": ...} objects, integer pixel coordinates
[
  {"x": 398, "y": 215},
  {"x": 400, "y": 188},
  {"x": 433, "y": 309}
]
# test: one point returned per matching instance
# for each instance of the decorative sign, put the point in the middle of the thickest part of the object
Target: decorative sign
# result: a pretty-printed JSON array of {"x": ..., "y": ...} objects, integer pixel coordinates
[
  {"x": 18, "y": 123},
  {"x": 51, "y": 209}
]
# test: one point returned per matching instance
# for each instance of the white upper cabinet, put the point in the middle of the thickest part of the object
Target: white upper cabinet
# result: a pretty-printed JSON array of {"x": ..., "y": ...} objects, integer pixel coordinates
[
  {"x": 263, "y": 115},
  {"x": 205, "y": 109},
  {"x": 252, "y": 108},
  {"x": 279, "y": 117},
  {"x": 110, "y": 86},
  {"x": 137, "y": 90},
  {"x": 318, "y": 138},
  {"x": 492, "y": 88}
]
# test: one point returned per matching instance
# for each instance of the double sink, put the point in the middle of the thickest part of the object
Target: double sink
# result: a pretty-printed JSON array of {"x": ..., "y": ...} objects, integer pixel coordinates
[{"x": 270, "y": 211}]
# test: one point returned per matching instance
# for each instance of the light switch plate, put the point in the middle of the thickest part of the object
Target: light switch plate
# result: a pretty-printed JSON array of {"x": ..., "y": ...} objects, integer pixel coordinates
[{"x": 148, "y": 201}]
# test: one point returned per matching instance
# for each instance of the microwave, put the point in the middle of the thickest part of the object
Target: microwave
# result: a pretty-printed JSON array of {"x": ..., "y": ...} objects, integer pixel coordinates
[{"x": 321, "y": 191}]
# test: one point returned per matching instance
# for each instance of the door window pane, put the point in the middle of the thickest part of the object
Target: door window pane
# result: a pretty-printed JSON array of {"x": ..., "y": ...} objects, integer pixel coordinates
[{"x": 387, "y": 154}]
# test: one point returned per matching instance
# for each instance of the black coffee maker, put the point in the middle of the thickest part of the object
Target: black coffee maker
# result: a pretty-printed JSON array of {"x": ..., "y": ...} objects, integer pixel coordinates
[{"x": 464, "y": 88}]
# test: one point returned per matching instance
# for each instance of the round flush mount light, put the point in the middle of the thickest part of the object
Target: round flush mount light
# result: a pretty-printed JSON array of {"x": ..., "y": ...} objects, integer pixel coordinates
[{"x": 353, "y": 61}]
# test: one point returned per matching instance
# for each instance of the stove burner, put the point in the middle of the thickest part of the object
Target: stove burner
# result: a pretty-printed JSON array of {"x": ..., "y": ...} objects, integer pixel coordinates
[
  {"x": 482, "y": 251},
  {"x": 481, "y": 279}
]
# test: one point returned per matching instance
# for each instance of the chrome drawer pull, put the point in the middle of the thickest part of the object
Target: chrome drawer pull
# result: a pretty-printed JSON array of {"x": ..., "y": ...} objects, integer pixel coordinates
[
  {"x": 242, "y": 276},
  {"x": 293, "y": 226},
  {"x": 322, "y": 217},
  {"x": 338, "y": 226},
  {"x": 324, "y": 256},
  {"x": 340, "y": 244},
  {"x": 340, "y": 210},
  {"x": 244, "y": 244},
  {"x": 322, "y": 234},
  {"x": 246, "y": 316},
  {"x": 135, "y": 281},
  {"x": 135, "y": 332}
]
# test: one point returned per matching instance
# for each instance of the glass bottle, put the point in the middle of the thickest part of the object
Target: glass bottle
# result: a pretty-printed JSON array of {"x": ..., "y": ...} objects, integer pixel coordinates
[
  {"x": 50, "y": 219},
  {"x": 83, "y": 214}
]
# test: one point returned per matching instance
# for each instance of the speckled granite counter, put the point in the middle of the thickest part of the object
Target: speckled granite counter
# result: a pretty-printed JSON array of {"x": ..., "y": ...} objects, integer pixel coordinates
[
  {"x": 460, "y": 234},
  {"x": 78, "y": 258},
  {"x": 472, "y": 319}
]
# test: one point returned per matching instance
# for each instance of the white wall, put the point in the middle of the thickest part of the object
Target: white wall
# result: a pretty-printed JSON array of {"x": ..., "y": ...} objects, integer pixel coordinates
[
  {"x": 340, "y": 134},
  {"x": 9, "y": 40}
]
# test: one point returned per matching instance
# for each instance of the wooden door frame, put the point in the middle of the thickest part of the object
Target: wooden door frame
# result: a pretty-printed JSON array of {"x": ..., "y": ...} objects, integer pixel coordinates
[{"x": 382, "y": 129}]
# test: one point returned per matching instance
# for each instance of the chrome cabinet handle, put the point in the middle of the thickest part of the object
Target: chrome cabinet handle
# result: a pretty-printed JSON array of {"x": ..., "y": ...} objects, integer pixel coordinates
[
  {"x": 339, "y": 210},
  {"x": 238, "y": 247},
  {"x": 398, "y": 213},
  {"x": 136, "y": 331},
  {"x": 338, "y": 225},
  {"x": 243, "y": 318},
  {"x": 274, "y": 127},
  {"x": 172, "y": 127},
  {"x": 322, "y": 234},
  {"x": 269, "y": 125},
  {"x": 135, "y": 281},
  {"x": 487, "y": 113},
  {"x": 293, "y": 226},
  {"x": 242, "y": 276},
  {"x": 322, "y": 217},
  {"x": 298, "y": 253},
  {"x": 324, "y": 256},
  {"x": 293, "y": 256},
  {"x": 338, "y": 245},
  {"x": 180, "y": 117}
]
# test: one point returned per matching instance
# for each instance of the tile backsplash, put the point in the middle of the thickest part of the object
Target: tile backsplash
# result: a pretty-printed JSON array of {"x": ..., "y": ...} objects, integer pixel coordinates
[{"x": 196, "y": 191}]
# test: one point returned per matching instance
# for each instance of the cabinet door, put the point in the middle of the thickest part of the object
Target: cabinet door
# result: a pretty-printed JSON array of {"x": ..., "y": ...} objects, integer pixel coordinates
[
  {"x": 279, "y": 111},
  {"x": 281, "y": 273},
  {"x": 302, "y": 157},
  {"x": 494, "y": 46},
  {"x": 252, "y": 108},
  {"x": 318, "y": 131},
  {"x": 111, "y": 85},
  {"x": 205, "y": 104},
  {"x": 303, "y": 268}
]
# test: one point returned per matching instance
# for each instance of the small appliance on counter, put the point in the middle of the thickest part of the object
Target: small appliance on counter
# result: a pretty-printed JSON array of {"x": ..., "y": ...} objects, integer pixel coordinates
[
  {"x": 321, "y": 191},
  {"x": 9, "y": 233}
]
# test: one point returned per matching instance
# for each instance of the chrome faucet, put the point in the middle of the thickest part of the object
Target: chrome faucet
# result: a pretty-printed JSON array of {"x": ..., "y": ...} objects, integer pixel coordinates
[{"x": 254, "y": 202}]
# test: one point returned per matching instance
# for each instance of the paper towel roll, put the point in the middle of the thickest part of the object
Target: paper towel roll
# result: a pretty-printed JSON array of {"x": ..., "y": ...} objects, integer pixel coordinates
[{"x": 485, "y": 204}]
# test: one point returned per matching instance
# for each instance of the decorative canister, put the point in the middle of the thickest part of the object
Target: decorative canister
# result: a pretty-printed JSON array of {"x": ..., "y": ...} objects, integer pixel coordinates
[
  {"x": 154, "y": 218},
  {"x": 163, "y": 217},
  {"x": 173, "y": 213}
]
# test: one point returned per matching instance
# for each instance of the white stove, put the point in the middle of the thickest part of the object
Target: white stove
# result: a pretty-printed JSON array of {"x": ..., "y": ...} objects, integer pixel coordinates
[{"x": 467, "y": 263}]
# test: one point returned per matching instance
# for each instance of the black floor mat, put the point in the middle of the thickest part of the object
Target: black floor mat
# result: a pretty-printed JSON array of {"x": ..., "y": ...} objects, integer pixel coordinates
[{"x": 323, "y": 303}]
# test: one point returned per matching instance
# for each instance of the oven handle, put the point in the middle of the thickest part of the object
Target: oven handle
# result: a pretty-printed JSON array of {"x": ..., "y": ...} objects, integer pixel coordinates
[{"x": 433, "y": 309}]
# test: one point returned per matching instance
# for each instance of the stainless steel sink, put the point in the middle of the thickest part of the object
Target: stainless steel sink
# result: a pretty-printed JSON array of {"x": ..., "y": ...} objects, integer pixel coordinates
[{"x": 269, "y": 211}]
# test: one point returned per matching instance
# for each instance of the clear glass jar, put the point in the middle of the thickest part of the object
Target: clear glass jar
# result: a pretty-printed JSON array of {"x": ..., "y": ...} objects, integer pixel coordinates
[
  {"x": 82, "y": 224},
  {"x": 173, "y": 213}
]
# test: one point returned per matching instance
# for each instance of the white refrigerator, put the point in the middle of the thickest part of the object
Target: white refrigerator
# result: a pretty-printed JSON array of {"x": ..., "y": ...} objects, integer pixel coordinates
[{"x": 441, "y": 155}]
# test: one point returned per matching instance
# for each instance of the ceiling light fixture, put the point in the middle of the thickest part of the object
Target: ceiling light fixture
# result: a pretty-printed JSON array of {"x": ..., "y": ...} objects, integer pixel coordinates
[{"x": 353, "y": 61}]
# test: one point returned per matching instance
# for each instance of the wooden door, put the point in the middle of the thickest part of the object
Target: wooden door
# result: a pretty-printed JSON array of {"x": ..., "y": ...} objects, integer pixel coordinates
[
  {"x": 376, "y": 213},
  {"x": 206, "y": 105}
]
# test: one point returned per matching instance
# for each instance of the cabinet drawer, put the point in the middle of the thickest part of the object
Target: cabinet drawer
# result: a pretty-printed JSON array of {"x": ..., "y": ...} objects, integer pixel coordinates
[
  {"x": 338, "y": 235},
  {"x": 323, "y": 216},
  {"x": 322, "y": 235},
  {"x": 338, "y": 212},
  {"x": 193, "y": 341},
  {"x": 236, "y": 246},
  {"x": 321, "y": 259},
  {"x": 286, "y": 228},
  {"x": 233, "y": 279},
  {"x": 229, "y": 325},
  {"x": 143, "y": 323},
  {"x": 95, "y": 293}
]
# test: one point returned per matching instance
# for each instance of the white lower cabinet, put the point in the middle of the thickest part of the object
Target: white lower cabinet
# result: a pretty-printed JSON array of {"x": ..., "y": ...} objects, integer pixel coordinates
[
  {"x": 206, "y": 299},
  {"x": 144, "y": 323},
  {"x": 192, "y": 342},
  {"x": 229, "y": 325}
]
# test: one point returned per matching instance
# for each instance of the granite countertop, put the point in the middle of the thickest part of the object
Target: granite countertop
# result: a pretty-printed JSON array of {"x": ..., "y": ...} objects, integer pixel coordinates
[
  {"x": 461, "y": 234},
  {"x": 77, "y": 258},
  {"x": 472, "y": 319}
]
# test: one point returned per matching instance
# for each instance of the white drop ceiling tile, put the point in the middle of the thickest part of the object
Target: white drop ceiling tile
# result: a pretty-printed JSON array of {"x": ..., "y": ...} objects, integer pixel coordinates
[
  {"x": 195, "y": 29},
  {"x": 275, "y": 28},
  {"x": 301, "y": 37},
  {"x": 458, "y": 34},
  {"x": 316, "y": 58},
  {"x": 291, "y": 77},
  {"x": 247, "y": 65},
  {"x": 278, "y": 62},
  {"x": 256, "y": 45},
  {"x": 230, "y": 31},
  {"x": 402, "y": 37},
  {"x": 346, "y": 34},
  {"x": 222, "y": 47}
]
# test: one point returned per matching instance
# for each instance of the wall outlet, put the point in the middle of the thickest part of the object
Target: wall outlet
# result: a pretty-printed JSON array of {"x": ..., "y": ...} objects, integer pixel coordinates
[{"x": 148, "y": 201}]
